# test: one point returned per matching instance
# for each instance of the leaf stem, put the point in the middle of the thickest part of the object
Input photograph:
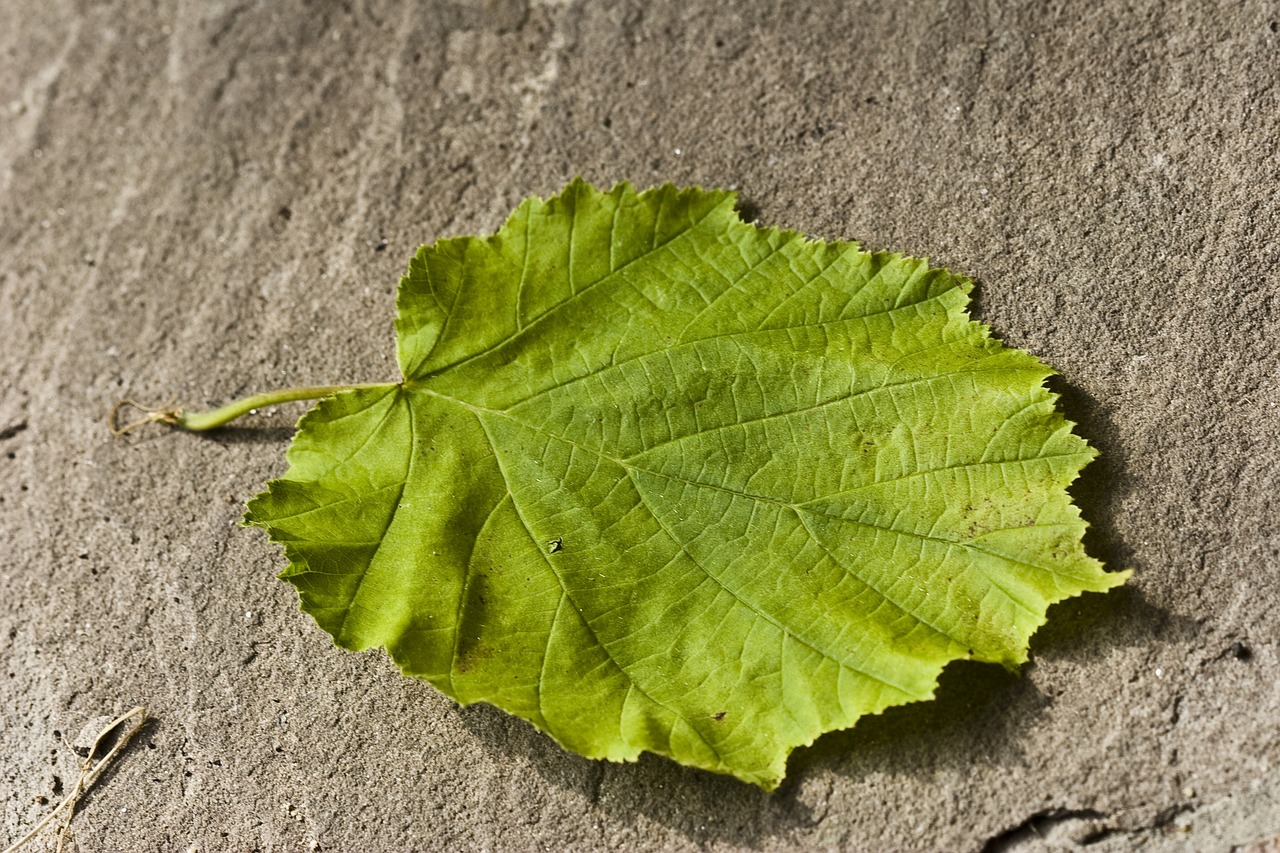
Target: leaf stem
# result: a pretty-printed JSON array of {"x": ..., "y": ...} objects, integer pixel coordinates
[{"x": 202, "y": 421}]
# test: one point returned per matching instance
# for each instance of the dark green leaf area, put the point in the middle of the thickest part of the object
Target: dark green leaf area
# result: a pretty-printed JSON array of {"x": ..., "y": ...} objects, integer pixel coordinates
[{"x": 658, "y": 479}]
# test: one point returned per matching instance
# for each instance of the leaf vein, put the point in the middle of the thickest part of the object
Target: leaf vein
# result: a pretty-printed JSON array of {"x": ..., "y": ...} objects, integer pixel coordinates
[
  {"x": 582, "y": 618},
  {"x": 843, "y": 398},
  {"x": 587, "y": 287},
  {"x": 391, "y": 517},
  {"x": 755, "y": 608}
]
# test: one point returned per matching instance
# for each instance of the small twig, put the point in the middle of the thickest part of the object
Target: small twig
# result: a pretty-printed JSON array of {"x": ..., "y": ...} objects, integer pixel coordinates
[{"x": 89, "y": 773}]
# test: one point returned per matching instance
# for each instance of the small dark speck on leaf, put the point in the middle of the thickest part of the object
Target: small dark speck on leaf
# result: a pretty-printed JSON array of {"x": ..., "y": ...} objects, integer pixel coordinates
[
  {"x": 1240, "y": 651},
  {"x": 719, "y": 715},
  {"x": 555, "y": 545}
]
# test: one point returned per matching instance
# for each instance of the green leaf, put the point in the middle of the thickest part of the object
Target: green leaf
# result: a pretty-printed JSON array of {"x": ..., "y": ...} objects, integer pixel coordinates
[{"x": 658, "y": 479}]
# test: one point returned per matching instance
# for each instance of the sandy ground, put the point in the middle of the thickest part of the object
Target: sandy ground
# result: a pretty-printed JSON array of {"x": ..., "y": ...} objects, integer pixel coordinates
[{"x": 207, "y": 199}]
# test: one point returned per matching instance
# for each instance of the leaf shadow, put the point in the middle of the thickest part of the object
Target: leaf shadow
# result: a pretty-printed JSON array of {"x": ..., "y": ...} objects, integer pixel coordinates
[
  {"x": 703, "y": 807},
  {"x": 248, "y": 435},
  {"x": 978, "y": 714},
  {"x": 980, "y": 710},
  {"x": 501, "y": 734},
  {"x": 1101, "y": 488},
  {"x": 981, "y": 713},
  {"x": 1081, "y": 629}
]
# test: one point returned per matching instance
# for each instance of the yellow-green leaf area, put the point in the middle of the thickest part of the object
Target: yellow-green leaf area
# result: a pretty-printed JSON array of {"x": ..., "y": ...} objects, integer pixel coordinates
[{"x": 657, "y": 479}]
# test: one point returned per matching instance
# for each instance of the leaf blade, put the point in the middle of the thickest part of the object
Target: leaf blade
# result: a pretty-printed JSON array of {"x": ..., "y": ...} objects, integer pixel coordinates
[{"x": 670, "y": 482}]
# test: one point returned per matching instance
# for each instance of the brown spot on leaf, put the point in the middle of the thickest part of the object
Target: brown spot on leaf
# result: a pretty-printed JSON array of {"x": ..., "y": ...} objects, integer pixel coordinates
[{"x": 472, "y": 655}]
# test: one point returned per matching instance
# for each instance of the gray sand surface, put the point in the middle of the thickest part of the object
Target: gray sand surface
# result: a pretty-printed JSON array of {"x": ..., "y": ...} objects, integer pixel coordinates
[{"x": 204, "y": 200}]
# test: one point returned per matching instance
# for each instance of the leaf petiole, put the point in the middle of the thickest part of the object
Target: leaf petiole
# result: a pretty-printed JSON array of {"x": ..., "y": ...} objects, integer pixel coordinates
[{"x": 174, "y": 415}]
